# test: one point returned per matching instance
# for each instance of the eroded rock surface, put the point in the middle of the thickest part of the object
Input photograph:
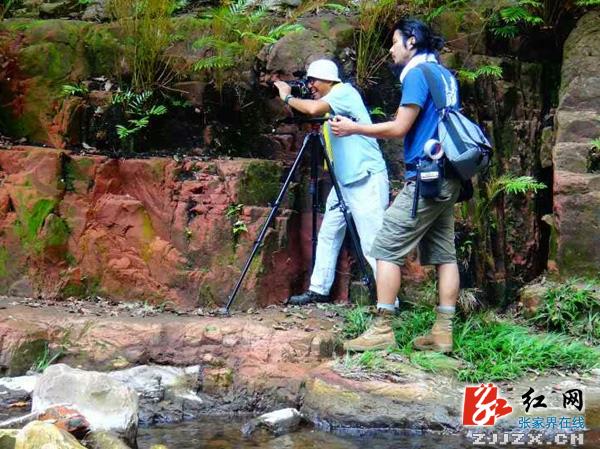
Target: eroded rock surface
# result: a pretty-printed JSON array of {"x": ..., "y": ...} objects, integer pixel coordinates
[
  {"x": 576, "y": 174},
  {"x": 147, "y": 229}
]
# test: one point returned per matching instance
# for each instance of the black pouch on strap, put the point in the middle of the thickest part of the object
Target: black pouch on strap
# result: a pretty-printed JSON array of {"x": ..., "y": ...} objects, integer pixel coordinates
[{"x": 429, "y": 178}]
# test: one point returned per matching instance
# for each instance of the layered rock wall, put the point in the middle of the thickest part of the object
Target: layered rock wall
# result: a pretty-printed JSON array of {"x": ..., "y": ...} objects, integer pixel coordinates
[
  {"x": 576, "y": 169},
  {"x": 145, "y": 229}
]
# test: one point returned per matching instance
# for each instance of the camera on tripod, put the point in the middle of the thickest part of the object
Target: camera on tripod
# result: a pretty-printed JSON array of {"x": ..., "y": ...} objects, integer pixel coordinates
[{"x": 299, "y": 87}]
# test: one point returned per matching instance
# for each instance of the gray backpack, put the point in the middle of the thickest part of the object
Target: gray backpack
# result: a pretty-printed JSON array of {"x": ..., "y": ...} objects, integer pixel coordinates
[{"x": 464, "y": 144}]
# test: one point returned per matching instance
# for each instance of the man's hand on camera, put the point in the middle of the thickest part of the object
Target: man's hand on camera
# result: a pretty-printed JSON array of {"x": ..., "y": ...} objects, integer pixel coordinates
[
  {"x": 342, "y": 126},
  {"x": 284, "y": 89}
]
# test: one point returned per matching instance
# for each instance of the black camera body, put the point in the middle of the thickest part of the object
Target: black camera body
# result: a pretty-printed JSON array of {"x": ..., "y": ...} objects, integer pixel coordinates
[{"x": 299, "y": 87}]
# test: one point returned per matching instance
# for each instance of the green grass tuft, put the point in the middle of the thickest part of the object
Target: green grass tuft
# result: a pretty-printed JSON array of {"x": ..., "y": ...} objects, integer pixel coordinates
[
  {"x": 498, "y": 350},
  {"x": 356, "y": 321}
]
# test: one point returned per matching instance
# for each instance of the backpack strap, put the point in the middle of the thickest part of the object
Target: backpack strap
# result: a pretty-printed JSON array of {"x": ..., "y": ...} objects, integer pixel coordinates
[{"x": 437, "y": 94}]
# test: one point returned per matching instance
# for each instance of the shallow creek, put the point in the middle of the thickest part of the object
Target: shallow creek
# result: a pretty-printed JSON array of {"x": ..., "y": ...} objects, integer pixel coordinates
[{"x": 224, "y": 433}]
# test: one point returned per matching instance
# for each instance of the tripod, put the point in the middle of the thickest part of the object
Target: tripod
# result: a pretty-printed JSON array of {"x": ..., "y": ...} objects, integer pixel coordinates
[{"x": 313, "y": 142}]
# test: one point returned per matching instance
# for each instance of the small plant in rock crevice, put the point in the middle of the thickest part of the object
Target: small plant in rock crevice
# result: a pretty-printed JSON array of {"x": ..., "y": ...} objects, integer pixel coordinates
[
  {"x": 138, "y": 108},
  {"x": 46, "y": 359},
  {"x": 75, "y": 90},
  {"x": 238, "y": 226}
]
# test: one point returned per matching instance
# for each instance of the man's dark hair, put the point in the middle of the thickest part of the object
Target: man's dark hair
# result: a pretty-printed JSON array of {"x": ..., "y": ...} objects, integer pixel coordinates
[{"x": 426, "y": 41}]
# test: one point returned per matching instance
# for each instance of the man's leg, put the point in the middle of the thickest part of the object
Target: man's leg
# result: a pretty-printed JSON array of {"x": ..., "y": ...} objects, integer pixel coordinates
[
  {"x": 367, "y": 200},
  {"x": 330, "y": 239},
  {"x": 448, "y": 284},
  {"x": 437, "y": 248},
  {"x": 380, "y": 335},
  {"x": 388, "y": 282}
]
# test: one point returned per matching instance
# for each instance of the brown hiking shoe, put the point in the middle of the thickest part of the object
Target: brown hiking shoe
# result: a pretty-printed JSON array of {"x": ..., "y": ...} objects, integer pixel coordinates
[
  {"x": 440, "y": 337},
  {"x": 379, "y": 335}
]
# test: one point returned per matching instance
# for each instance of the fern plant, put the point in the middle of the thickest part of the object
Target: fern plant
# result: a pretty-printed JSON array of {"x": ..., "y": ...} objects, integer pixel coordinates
[
  {"x": 75, "y": 90},
  {"x": 507, "y": 184},
  {"x": 489, "y": 71},
  {"x": 138, "y": 109},
  {"x": 508, "y": 20},
  {"x": 235, "y": 31}
]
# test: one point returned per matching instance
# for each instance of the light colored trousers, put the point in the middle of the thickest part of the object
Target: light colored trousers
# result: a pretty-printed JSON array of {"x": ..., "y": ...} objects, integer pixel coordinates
[{"x": 366, "y": 200}]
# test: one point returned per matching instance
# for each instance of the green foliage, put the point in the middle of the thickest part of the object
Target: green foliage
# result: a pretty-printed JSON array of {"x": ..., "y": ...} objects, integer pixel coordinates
[
  {"x": 75, "y": 90},
  {"x": 572, "y": 308},
  {"x": 356, "y": 321},
  {"x": 491, "y": 71},
  {"x": 498, "y": 350},
  {"x": 377, "y": 111},
  {"x": 148, "y": 33},
  {"x": 508, "y": 20},
  {"x": 6, "y": 7},
  {"x": 506, "y": 184},
  {"x": 139, "y": 108},
  {"x": 46, "y": 358},
  {"x": 238, "y": 226},
  {"x": 596, "y": 144},
  {"x": 30, "y": 223},
  {"x": 4, "y": 258},
  {"x": 414, "y": 322},
  {"x": 235, "y": 31},
  {"x": 588, "y": 3},
  {"x": 370, "y": 55}
]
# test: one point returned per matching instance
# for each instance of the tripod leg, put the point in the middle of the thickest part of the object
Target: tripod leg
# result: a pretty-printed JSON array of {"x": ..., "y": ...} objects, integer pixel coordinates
[
  {"x": 314, "y": 193},
  {"x": 263, "y": 231},
  {"x": 350, "y": 225}
]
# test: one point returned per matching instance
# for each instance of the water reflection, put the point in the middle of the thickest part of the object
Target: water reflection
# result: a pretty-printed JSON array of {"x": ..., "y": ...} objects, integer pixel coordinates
[{"x": 224, "y": 433}]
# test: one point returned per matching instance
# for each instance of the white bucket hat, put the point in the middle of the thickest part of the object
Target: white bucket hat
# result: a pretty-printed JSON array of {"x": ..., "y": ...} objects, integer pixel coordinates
[{"x": 323, "y": 69}]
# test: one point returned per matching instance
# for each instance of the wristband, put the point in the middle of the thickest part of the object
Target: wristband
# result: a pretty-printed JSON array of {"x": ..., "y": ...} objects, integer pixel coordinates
[{"x": 287, "y": 99}]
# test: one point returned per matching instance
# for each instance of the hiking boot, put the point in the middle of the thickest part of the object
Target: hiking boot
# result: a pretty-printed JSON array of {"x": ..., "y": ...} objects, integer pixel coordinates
[
  {"x": 440, "y": 337},
  {"x": 379, "y": 335},
  {"x": 308, "y": 297}
]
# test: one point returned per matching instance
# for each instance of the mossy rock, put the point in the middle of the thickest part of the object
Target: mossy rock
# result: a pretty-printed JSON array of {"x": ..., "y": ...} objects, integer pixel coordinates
[
  {"x": 26, "y": 355},
  {"x": 260, "y": 183},
  {"x": 8, "y": 438}
]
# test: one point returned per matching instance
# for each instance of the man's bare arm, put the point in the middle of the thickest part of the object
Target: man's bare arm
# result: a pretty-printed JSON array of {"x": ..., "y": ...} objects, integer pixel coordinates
[{"x": 399, "y": 127}]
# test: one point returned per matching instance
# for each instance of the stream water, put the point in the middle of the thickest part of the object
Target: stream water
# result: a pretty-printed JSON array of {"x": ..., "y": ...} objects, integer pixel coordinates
[{"x": 224, "y": 433}]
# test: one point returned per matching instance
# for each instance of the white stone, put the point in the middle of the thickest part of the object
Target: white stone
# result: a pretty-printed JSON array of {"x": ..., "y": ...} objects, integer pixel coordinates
[
  {"x": 106, "y": 403},
  {"x": 281, "y": 421},
  {"x": 161, "y": 381},
  {"x": 25, "y": 383}
]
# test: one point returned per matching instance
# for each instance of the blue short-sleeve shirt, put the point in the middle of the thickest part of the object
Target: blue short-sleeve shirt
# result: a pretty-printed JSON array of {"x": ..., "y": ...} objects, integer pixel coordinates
[{"x": 416, "y": 91}]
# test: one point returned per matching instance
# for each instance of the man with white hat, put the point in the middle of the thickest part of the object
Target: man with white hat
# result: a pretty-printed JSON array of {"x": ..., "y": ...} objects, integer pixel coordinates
[{"x": 359, "y": 168}]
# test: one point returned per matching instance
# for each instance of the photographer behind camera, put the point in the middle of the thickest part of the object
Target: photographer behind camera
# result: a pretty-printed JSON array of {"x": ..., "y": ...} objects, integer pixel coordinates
[
  {"x": 358, "y": 166},
  {"x": 432, "y": 229}
]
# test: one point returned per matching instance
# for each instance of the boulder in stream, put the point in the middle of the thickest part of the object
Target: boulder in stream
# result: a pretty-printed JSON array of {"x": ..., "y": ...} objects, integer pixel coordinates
[
  {"x": 38, "y": 434},
  {"x": 105, "y": 402},
  {"x": 278, "y": 422}
]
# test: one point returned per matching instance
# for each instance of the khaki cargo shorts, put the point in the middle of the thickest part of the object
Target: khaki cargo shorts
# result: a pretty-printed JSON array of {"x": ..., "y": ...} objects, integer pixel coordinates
[{"x": 432, "y": 229}]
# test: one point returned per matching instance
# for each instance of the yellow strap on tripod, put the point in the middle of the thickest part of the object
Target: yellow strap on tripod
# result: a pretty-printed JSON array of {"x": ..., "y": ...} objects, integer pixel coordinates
[
  {"x": 327, "y": 131},
  {"x": 327, "y": 139}
]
